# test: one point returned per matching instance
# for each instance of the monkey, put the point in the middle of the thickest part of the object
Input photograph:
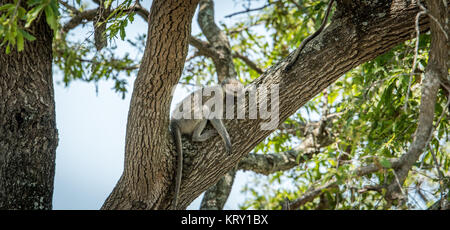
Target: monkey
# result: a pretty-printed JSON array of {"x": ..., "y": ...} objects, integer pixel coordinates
[
  {"x": 194, "y": 126},
  {"x": 308, "y": 39}
]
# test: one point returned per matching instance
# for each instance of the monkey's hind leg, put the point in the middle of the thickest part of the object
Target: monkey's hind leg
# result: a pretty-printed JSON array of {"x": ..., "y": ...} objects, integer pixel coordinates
[{"x": 218, "y": 125}]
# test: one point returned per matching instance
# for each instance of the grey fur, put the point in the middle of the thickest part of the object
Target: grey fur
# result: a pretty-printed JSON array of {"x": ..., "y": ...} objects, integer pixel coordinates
[{"x": 195, "y": 126}]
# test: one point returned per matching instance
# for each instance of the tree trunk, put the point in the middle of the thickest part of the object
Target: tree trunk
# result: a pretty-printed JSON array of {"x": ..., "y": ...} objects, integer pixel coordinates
[
  {"x": 148, "y": 178},
  {"x": 28, "y": 134}
]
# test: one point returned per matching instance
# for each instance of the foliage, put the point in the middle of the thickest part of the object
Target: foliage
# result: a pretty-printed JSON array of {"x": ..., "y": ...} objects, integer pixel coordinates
[
  {"x": 76, "y": 59},
  {"x": 17, "y": 17},
  {"x": 373, "y": 125}
]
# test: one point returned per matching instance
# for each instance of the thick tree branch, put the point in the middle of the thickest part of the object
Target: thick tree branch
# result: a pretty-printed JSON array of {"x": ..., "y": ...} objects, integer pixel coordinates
[
  {"x": 217, "y": 195},
  {"x": 203, "y": 47},
  {"x": 206, "y": 49},
  {"x": 216, "y": 37},
  {"x": 77, "y": 19},
  {"x": 273, "y": 162},
  {"x": 356, "y": 38},
  {"x": 141, "y": 11},
  {"x": 373, "y": 168},
  {"x": 435, "y": 70}
]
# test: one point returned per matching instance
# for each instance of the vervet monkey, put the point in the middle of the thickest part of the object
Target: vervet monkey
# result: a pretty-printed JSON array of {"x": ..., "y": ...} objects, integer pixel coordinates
[
  {"x": 197, "y": 111},
  {"x": 308, "y": 39}
]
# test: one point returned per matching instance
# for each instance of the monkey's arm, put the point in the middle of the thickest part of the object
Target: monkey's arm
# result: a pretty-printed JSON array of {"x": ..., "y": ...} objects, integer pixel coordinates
[{"x": 308, "y": 39}]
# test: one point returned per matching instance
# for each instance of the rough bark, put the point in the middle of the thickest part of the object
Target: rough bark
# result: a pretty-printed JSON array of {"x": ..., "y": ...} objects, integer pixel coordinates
[
  {"x": 223, "y": 60},
  {"x": 217, "y": 195},
  {"x": 28, "y": 134},
  {"x": 100, "y": 39},
  {"x": 148, "y": 178}
]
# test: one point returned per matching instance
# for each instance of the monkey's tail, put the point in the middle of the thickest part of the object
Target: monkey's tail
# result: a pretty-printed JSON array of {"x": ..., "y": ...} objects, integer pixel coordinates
[
  {"x": 177, "y": 136},
  {"x": 308, "y": 39}
]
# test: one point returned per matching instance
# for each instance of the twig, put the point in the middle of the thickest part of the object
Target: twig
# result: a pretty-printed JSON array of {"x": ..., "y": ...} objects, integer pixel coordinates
[
  {"x": 422, "y": 7},
  {"x": 311, "y": 194},
  {"x": 416, "y": 53},
  {"x": 299, "y": 7},
  {"x": 399, "y": 184},
  {"x": 68, "y": 6},
  {"x": 249, "y": 63},
  {"x": 377, "y": 188},
  {"x": 440, "y": 175},
  {"x": 247, "y": 11}
]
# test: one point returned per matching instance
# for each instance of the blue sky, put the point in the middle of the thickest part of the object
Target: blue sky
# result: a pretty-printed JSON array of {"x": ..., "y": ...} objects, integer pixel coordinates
[{"x": 91, "y": 126}]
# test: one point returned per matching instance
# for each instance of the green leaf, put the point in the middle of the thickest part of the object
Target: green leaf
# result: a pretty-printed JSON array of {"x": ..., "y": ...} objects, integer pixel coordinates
[
  {"x": 33, "y": 14},
  {"x": 385, "y": 163},
  {"x": 55, "y": 7},
  {"x": 122, "y": 33},
  {"x": 21, "y": 13},
  {"x": 7, "y": 7},
  {"x": 34, "y": 2},
  {"x": 8, "y": 49},
  {"x": 27, "y": 35},
  {"x": 20, "y": 42},
  {"x": 51, "y": 17}
]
